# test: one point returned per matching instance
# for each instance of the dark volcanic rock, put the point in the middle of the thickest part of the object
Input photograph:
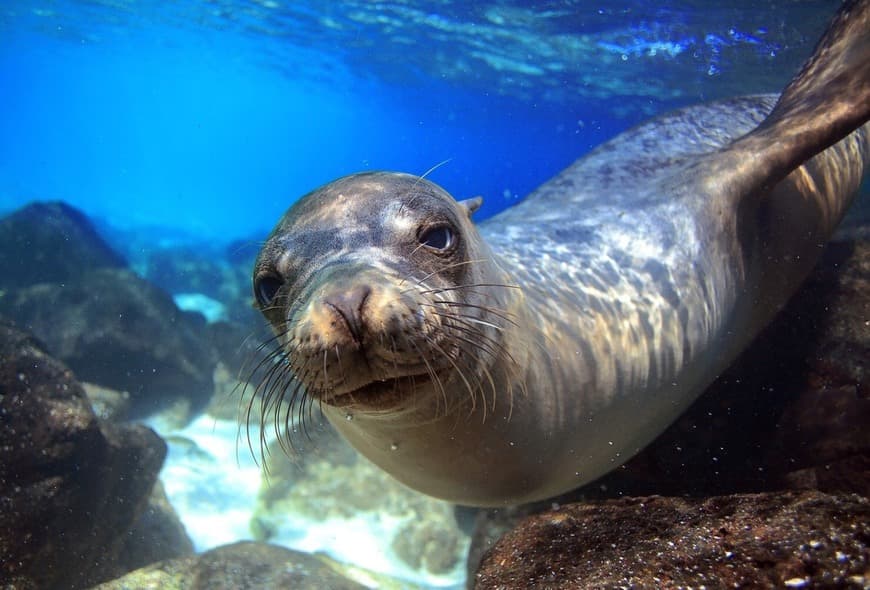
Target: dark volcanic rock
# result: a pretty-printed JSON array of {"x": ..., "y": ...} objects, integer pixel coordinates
[
  {"x": 50, "y": 243},
  {"x": 805, "y": 540},
  {"x": 236, "y": 567},
  {"x": 115, "y": 329},
  {"x": 70, "y": 486},
  {"x": 822, "y": 439},
  {"x": 157, "y": 535}
]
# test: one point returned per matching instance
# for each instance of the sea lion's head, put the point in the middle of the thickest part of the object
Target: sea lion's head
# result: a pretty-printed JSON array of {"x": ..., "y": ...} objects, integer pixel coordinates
[{"x": 381, "y": 294}]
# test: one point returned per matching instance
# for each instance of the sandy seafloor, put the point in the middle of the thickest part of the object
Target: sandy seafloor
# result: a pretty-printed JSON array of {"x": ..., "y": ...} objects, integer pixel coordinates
[{"x": 212, "y": 480}]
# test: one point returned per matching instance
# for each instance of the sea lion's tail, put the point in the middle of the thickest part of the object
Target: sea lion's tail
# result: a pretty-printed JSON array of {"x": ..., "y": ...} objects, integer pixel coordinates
[{"x": 826, "y": 101}]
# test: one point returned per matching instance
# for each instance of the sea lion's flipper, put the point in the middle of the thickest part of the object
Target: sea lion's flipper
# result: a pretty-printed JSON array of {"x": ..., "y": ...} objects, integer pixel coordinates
[{"x": 827, "y": 100}]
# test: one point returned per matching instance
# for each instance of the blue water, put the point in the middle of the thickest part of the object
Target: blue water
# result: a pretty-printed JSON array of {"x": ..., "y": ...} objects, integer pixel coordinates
[{"x": 211, "y": 118}]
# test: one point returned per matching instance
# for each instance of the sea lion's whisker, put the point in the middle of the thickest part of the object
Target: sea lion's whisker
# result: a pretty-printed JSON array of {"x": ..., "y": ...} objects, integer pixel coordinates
[
  {"x": 492, "y": 385},
  {"x": 271, "y": 381},
  {"x": 307, "y": 403},
  {"x": 487, "y": 374},
  {"x": 469, "y": 361},
  {"x": 271, "y": 405},
  {"x": 422, "y": 280},
  {"x": 454, "y": 324},
  {"x": 483, "y": 323},
  {"x": 409, "y": 202},
  {"x": 325, "y": 368},
  {"x": 246, "y": 408},
  {"x": 416, "y": 249},
  {"x": 475, "y": 346},
  {"x": 284, "y": 413},
  {"x": 500, "y": 347},
  {"x": 338, "y": 360},
  {"x": 264, "y": 390},
  {"x": 471, "y": 286},
  {"x": 278, "y": 358},
  {"x": 274, "y": 387},
  {"x": 432, "y": 373},
  {"x": 470, "y": 323},
  {"x": 276, "y": 337},
  {"x": 460, "y": 322},
  {"x": 486, "y": 308},
  {"x": 432, "y": 342},
  {"x": 275, "y": 352},
  {"x": 431, "y": 170},
  {"x": 445, "y": 267}
]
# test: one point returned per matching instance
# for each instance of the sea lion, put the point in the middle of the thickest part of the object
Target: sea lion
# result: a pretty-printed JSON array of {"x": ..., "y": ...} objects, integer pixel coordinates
[{"x": 518, "y": 360}]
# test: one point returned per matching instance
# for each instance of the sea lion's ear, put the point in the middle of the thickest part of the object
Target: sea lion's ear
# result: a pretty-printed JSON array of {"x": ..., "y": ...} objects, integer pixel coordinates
[{"x": 471, "y": 205}]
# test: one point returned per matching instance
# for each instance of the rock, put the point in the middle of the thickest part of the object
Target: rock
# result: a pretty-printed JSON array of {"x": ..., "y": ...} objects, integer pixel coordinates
[
  {"x": 775, "y": 540},
  {"x": 431, "y": 543},
  {"x": 237, "y": 567},
  {"x": 107, "y": 403},
  {"x": 115, "y": 329},
  {"x": 157, "y": 535},
  {"x": 50, "y": 243},
  {"x": 490, "y": 525},
  {"x": 821, "y": 440},
  {"x": 71, "y": 487}
]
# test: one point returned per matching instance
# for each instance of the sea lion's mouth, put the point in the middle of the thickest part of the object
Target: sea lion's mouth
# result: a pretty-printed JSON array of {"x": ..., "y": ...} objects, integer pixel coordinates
[{"x": 381, "y": 394}]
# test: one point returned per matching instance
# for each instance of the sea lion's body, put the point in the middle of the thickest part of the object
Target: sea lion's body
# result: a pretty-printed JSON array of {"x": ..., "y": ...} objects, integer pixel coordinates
[{"x": 523, "y": 361}]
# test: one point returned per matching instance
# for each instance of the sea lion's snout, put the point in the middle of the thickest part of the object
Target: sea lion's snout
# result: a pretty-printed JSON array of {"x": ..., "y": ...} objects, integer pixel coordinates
[
  {"x": 359, "y": 334},
  {"x": 347, "y": 304},
  {"x": 359, "y": 310}
]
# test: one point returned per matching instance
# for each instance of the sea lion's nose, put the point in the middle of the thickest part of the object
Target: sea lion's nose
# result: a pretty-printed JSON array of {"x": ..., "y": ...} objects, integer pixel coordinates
[{"x": 349, "y": 304}]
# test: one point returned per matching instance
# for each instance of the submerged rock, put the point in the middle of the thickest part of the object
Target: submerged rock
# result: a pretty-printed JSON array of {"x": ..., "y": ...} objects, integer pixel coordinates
[
  {"x": 110, "y": 326},
  {"x": 157, "y": 534},
  {"x": 238, "y": 566},
  {"x": 791, "y": 539},
  {"x": 71, "y": 487},
  {"x": 115, "y": 329},
  {"x": 821, "y": 439},
  {"x": 50, "y": 243}
]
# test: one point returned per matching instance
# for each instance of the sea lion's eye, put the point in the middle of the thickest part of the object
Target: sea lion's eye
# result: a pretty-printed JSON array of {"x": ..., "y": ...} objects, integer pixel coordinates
[
  {"x": 265, "y": 289},
  {"x": 439, "y": 238}
]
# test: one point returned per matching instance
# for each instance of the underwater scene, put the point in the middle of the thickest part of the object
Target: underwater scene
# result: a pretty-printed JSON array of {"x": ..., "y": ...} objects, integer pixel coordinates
[{"x": 350, "y": 294}]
